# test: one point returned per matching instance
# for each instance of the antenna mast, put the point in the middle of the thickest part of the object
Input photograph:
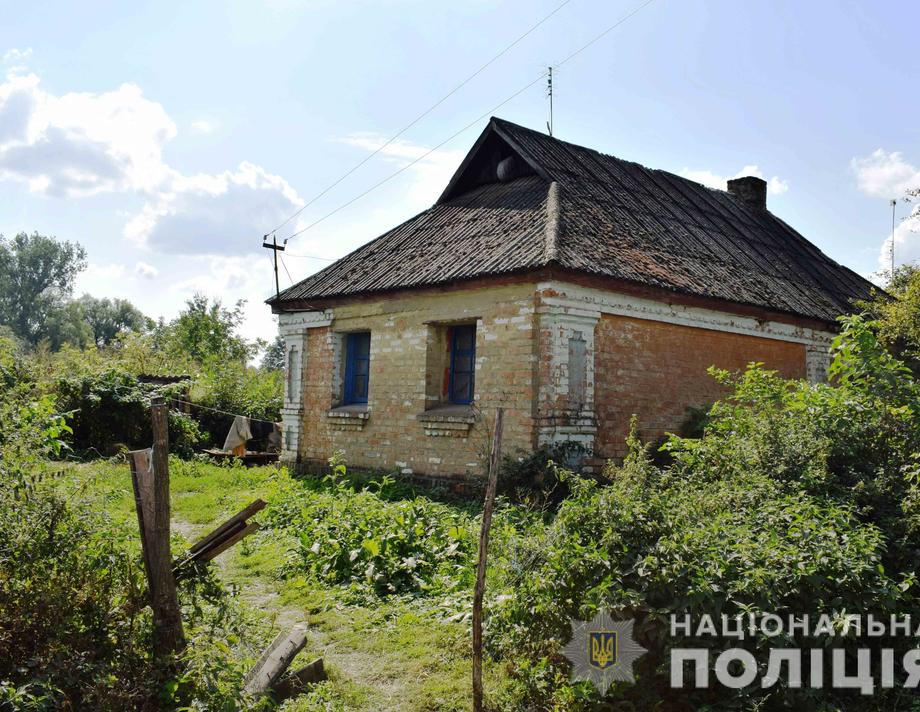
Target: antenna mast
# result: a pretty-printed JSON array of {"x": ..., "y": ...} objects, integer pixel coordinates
[
  {"x": 549, "y": 93},
  {"x": 894, "y": 204}
]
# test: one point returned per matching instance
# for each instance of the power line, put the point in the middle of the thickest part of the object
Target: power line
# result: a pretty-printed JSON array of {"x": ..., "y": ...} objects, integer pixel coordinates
[
  {"x": 286, "y": 271},
  {"x": 469, "y": 125},
  {"x": 420, "y": 158},
  {"x": 605, "y": 32},
  {"x": 218, "y": 410},
  {"x": 311, "y": 257},
  {"x": 421, "y": 116}
]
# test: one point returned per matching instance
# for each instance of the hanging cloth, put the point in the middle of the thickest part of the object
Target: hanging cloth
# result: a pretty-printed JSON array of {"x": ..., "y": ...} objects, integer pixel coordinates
[{"x": 239, "y": 434}]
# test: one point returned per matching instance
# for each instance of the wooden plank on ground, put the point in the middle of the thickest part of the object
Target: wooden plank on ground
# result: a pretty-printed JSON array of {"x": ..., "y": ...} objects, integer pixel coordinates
[
  {"x": 275, "y": 660},
  {"x": 221, "y": 547},
  {"x": 299, "y": 680},
  {"x": 238, "y": 518}
]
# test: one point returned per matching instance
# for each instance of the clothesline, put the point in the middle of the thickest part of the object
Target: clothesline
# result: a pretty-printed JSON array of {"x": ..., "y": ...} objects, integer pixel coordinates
[{"x": 222, "y": 412}]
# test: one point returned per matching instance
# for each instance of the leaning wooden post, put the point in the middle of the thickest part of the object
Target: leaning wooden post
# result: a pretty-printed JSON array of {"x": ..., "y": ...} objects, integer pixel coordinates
[
  {"x": 168, "y": 637},
  {"x": 479, "y": 592}
]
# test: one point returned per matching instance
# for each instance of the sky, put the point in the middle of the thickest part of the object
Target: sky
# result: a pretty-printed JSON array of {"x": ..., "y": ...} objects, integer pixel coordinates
[{"x": 168, "y": 137}]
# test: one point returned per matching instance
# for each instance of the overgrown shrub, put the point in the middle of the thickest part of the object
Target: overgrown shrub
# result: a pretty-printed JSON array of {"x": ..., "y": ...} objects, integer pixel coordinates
[
  {"x": 75, "y": 630},
  {"x": 798, "y": 499},
  {"x": 531, "y": 478},
  {"x": 235, "y": 387},
  {"x": 372, "y": 543}
]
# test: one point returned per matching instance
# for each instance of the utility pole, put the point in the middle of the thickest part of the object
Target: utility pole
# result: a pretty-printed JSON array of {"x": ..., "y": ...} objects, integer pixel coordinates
[
  {"x": 894, "y": 204},
  {"x": 549, "y": 93},
  {"x": 276, "y": 249}
]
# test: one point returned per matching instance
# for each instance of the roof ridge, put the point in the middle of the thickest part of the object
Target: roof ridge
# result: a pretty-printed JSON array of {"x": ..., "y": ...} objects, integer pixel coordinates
[{"x": 551, "y": 253}]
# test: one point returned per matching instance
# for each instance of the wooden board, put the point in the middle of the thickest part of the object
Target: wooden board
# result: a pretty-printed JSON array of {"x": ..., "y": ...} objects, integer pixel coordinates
[
  {"x": 275, "y": 660},
  {"x": 141, "y": 462},
  {"x": 230, "y": 524},
  {"x": 297, "y": 681}
]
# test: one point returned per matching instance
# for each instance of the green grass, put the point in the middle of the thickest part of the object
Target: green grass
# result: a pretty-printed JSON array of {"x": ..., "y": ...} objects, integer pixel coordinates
[{"x": 397, "y": 653}]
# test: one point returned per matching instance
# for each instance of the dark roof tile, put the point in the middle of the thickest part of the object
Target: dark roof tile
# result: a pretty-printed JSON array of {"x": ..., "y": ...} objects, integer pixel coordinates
[{"x": 613, "y": 218}]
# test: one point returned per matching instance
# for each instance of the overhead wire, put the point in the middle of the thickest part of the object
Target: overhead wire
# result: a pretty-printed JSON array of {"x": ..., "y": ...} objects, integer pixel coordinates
[
  {"x": 286, "y": 269},
  {"x": 421, "y": 116},
  {"x": 217, "y": 410},
  {"x": 450, "y": 138},
  {"x": 414, "y": 162}
]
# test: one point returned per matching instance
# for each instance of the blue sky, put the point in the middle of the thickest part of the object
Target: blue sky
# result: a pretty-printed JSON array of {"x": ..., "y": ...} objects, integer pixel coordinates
[{"x": 167, "y": 137}]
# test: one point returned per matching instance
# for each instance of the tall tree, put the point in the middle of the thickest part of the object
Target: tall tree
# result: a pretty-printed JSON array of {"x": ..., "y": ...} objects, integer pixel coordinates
[
  {"x": 273, "y": 358},
  {"x": 207, "y": 331},
  {"x": 897, "y": 314},
  {"x": 67, "y": 324},
  {"x": 108, "y": 318},
  {"x": 36, "y": 277}
]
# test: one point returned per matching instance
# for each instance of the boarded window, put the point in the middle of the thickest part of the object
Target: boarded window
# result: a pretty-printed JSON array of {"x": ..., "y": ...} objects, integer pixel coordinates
[
  {"x": 293, "y": 369},
  {"x": 578, "y": 371}
]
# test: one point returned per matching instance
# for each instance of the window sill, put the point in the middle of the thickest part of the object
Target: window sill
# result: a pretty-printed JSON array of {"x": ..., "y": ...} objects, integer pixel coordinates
[
  {"x": 348, "y": 417},
  {"x": 452, "y": 421},
  {"x": 355, "y": 410},
  {"x": 449, "y": 414}
]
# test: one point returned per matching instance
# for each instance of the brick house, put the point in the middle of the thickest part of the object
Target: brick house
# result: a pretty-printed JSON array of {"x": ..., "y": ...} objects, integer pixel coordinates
[{"x": 570, "y": 287}]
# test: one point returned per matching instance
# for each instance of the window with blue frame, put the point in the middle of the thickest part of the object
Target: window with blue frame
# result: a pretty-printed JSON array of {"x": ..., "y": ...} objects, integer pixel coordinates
[
  {"x": 357, "y": 367},
  {"x": 462, "y": 364}
]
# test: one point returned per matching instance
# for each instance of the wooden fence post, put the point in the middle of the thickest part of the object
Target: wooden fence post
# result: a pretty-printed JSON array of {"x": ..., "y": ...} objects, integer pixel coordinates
[
  {"x": 168, "y": 637},
  {"x": 479, "y": 591}
]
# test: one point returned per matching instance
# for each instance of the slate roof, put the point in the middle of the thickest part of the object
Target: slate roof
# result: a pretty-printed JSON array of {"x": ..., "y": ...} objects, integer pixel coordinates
[{"x": 578, "y": 209}]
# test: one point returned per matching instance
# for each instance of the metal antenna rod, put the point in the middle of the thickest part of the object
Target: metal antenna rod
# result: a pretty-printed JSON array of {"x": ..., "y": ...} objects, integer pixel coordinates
[
  {"x": 549, "y": 93},
  {"x": 894, "y": 204}
]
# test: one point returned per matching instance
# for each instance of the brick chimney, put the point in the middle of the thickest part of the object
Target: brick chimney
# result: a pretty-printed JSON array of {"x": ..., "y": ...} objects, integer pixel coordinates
[{"x": 749, "y": 190}]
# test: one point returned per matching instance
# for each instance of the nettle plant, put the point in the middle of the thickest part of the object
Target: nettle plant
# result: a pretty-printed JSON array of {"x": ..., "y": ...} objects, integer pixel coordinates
[{"x": 375, "y": 538}]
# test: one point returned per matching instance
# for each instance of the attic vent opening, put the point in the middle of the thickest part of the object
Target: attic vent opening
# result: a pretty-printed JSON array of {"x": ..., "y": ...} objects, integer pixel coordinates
[{"x": 510, "y": 168}]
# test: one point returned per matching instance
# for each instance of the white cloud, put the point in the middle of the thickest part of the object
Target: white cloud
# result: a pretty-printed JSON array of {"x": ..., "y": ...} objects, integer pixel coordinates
[
  {"x": 429, "y": 176},
  {"x": 775, "y": 185},
  {"x": 202, "y": 126},
  {"x": 906, "y": 242},
  {"x": 80, "y": 144},
  {"x": 223, "y": 214},
  {"x": 83, "y": 144},
  {"x": 147, "y": 271},
  {"x": 16, "y": 56},
  {"x": 885, "y": 175}
]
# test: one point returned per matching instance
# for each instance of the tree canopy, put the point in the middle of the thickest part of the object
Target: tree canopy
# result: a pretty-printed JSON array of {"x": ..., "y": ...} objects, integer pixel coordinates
[{"x": 37, "y": 274}]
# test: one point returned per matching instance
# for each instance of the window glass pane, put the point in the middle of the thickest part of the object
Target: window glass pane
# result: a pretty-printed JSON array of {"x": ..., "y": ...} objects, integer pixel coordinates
[
  {"x": 463, "y": 338},
  {"x": 461, "y": 386},
  {"x": 463, "y": 364},
  {"x": 361, "y": 387},
  {"x": 357, "y": 367}
]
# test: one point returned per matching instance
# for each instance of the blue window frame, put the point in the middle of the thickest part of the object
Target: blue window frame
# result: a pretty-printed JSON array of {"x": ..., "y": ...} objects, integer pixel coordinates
[
  {"x": 357, "y": 367},
  {"x": 462, "y": 364}
]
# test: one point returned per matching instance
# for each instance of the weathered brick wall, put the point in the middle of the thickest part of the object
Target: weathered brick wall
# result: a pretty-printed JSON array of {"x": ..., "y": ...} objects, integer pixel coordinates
[
  {"x": 656, "y": 370},
  {"x": 391, "y": 437}
]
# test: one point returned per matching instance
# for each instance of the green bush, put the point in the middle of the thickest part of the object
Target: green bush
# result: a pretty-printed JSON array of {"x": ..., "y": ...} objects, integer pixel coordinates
[
  {"x": 110, "y": 411},
  {"x": 372, "y": 544},
  {"x": 235, "y": 387},
  {"x": 798, "y": 499}
]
